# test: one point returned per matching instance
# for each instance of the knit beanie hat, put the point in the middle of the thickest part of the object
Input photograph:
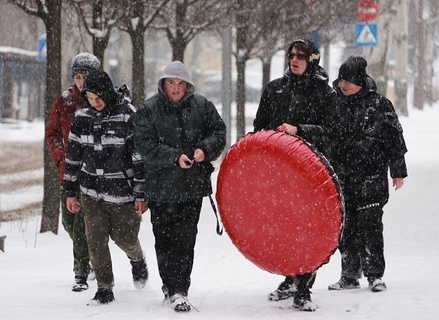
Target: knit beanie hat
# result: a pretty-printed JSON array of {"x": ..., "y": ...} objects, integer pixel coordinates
[
  {"x": 100, "y": 84},
  {"x": 354, "y": 70},
  {"x": 84, "y": 62}
]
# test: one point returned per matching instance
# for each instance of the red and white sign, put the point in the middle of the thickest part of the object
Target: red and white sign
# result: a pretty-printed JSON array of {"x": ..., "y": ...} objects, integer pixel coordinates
[
  {"x": 311, "y": 3},
  {"x": 367, "y": 10}
]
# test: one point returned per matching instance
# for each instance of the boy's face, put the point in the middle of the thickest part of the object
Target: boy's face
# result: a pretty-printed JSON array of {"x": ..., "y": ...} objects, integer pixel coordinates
[
  {"x": 298, "y": 62},
  {"x": 175, "y": 89},
  {"x": 79, "y": 80},
  {"x": 95, "y": 101},
  {"x": 348, "y": 88}
]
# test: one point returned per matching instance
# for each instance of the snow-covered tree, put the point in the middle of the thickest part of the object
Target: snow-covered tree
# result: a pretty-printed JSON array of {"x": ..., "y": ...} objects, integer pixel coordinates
[
  {"x": 50, "y": 13},
  {"x": 400, "y": 38},
  {"x": 182, "y": 20},
  {"x": 263, "y": 28},
  {"x": 136, "y": 18},
  {"x": 98, "y": 17}
]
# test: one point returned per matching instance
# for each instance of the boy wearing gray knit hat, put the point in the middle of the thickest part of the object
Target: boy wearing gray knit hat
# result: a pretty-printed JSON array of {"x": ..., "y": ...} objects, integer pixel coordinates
[{"x": 57, "y": 134}]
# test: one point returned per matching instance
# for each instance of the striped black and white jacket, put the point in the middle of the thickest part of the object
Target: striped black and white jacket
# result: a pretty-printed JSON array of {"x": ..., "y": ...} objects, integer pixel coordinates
[{"x": 101, "y": 160}]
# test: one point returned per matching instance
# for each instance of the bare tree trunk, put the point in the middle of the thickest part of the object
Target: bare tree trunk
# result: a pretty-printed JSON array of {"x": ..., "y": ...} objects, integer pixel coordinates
[
  {"x": 241, "y": 59},
  {"x": 378, "y": 56},
  {"x": 50, "y": 213},
  {"x": 226, "y": 83},
  {"x": 178, "y": 42},
  {"x": 428, "y": 76},
  {"x": 194, "y": 64},
  {"x": 326, "y": 56},
  {"x": 51, "y": 199},
  {"x": 430, "y": 30},
  {"x": 419, "y": 87},
  {"x": 434, "y": 29},
  {"x": 143, "y": 14},
  {"x": 266, "y": 70},
  {"x": 401, "y": 58},
  {"x": 178, "y": 49},
  {"x": 138, "y": 67},
  {"x": 99, "y": 43},
  {"x": 240, "y": 97}
]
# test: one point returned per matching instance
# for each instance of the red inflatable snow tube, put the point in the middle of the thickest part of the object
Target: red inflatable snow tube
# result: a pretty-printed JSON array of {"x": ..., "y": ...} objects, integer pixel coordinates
[{"x": 279, "y": 202}]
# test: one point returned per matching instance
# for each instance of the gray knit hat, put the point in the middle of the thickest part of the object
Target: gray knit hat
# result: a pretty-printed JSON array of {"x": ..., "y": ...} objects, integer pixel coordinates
[{"x": 85, "y": 62}]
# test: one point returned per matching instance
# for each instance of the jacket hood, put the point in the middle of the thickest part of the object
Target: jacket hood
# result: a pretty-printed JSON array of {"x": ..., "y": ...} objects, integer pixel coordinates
[
  {"x": 311, "y": 50},
  {"x": 319, "y": 74},
  {"x": 177, "y": 70},
  {"x": 100, "y": 84}
]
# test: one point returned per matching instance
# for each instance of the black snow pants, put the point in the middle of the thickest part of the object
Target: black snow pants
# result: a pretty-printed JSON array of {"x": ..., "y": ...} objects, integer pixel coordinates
[
  {"x": 362, "y": 243},
  {"x": 175, "y": 230}
]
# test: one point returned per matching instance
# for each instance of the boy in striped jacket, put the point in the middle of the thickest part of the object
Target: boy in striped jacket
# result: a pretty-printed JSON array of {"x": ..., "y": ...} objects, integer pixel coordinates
[{"x": 103, "y": 165}]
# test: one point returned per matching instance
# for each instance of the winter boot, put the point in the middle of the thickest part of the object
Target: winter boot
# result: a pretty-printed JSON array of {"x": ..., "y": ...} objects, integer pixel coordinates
[
  {"x": 180, "y": 303},
  {"x": 345, "y": 283},
  {"x": 302, "y": 300},
  {"x": 140, "y": 273},
  {"x": 285, "y": 290},
  {"x": 376, "y": 284},
  {"x": 80, "y": 284},
  {"x": 102, "y": 296}
]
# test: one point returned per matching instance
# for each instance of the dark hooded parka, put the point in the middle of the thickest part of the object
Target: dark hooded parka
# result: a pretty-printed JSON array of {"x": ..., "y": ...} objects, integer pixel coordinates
[
  {"x": 164, "y": 130},
  {"x": 301, "y": 100},
  {"x": 173, "y": 124},
  {"x": 367, "y": 143}
]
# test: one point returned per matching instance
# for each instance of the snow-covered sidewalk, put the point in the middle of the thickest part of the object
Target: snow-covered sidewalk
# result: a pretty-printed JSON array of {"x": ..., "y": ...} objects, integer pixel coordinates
[{"x": 36, "y": 275}]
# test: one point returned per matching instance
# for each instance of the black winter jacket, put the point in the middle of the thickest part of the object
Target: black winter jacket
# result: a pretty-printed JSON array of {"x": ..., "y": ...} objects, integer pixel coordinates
[
  {"x": 302, "y": 101},
  {"x": 367, "y": 141},
  {"x": 163, "y": 131}
]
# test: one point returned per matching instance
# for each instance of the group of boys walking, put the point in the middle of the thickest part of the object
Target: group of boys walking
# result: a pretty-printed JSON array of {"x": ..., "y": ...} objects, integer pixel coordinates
[{"x": 117, "y": 162}]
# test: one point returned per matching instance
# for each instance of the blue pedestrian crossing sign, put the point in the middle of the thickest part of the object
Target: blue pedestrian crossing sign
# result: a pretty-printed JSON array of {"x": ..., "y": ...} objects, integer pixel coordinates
[
  {"x": 42, "y": 48},
  {"x": 366, "y": 34}
]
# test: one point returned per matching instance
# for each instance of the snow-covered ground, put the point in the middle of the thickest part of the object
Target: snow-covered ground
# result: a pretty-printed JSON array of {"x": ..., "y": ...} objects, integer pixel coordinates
[
  {"x": 36, "y": 269},
  {"x": 36, "y": 275}
]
